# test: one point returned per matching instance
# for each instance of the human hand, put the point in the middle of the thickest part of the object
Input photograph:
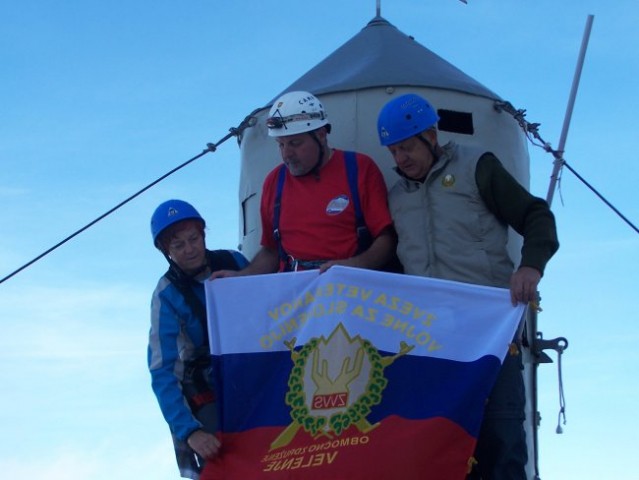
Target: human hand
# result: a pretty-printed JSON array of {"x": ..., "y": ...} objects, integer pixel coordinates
[
  {"x": 325, "y": 266},
  {"x": 523, "y": 285},
  {"x": 223, "y": 274},
  {"x": 347, "y": 262},
  {"x": 204, "y": 444}
]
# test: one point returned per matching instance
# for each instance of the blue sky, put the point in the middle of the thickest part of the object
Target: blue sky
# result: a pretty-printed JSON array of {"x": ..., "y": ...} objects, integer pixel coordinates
[{"x": 100, "y": 98}]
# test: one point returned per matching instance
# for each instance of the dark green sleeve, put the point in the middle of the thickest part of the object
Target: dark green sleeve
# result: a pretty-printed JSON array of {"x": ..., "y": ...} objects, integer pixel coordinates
[{"x": 512, "y": 204}]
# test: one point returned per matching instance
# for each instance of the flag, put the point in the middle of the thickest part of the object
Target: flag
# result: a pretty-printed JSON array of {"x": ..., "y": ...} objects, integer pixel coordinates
[{"x": 352, "y": 374}]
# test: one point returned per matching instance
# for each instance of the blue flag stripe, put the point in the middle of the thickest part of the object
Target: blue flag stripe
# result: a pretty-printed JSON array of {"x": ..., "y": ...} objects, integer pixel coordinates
[{"x": 255, "y": 387}]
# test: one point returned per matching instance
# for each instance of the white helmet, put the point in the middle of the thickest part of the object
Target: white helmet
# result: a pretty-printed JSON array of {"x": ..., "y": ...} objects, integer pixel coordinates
[{"x": 295, "y": 112}]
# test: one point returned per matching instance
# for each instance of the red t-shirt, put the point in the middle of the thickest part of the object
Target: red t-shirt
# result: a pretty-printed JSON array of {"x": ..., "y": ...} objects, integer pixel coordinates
[{"x": 317, "y": 216}]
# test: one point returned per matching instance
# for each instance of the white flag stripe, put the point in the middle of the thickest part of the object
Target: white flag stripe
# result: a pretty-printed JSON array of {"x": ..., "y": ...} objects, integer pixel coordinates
[{"x": 441, "y": 319}]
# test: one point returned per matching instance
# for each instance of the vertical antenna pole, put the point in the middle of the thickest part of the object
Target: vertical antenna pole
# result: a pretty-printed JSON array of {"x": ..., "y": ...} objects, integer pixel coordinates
[
  {"x": 378, "y": 8},
  {"x": 559, "y": 161}
]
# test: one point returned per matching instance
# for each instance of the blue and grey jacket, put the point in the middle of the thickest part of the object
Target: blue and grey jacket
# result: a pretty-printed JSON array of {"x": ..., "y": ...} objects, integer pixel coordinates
[{"x": 177, "y": 336}]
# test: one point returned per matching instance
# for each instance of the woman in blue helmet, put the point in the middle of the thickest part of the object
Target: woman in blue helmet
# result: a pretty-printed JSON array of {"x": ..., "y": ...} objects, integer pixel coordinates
[
  {"x": 178, "y": 351},
  {"x": 451, "y": 207}
]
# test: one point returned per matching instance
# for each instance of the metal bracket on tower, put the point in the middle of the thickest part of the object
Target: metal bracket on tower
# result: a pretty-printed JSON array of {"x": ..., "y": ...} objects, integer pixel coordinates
[{"x": 558, "y": 344}]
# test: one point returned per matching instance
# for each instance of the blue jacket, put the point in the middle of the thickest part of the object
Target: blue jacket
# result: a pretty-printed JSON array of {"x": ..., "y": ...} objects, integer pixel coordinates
[{"x": 176, "y": 336}]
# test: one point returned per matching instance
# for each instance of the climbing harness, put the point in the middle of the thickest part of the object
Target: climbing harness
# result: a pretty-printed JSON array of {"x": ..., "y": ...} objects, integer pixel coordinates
[{"x": 364, "y": 238}]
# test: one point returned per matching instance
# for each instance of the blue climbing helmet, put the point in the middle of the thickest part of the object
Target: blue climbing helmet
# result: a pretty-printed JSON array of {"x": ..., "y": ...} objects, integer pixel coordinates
[
  {"x": 404, "y": 117},
  {"x": 170, "y": 212}
]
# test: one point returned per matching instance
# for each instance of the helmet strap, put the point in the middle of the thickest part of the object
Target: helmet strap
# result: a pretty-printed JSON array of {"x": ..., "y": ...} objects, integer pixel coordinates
[
  {"x": 181, "y": 273},
  {"x": 320, "y": 157},
  {"x": 429, "y": 145}
]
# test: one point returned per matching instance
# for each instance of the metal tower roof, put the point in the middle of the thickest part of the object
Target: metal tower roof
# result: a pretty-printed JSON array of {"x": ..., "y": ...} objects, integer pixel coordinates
[{"x": 379, "y": 56}]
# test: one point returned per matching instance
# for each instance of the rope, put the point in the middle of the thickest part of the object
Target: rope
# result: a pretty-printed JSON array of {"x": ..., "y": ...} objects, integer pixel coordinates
[
  {"x": 562, "y": 399},
  {"x": 531, "y": 130},
  {"x": 634, "y": 227},
  {"x": 249, "y": 121}
]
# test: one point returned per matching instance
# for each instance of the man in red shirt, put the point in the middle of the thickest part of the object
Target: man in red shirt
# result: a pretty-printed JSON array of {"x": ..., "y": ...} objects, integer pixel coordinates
[
  {"x": 310, "y": 204},
  {"x": 322, "y": 206}
]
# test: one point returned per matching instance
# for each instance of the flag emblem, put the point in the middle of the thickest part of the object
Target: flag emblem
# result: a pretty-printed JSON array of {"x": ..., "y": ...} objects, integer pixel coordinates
[{"x": 334, "y": 383}]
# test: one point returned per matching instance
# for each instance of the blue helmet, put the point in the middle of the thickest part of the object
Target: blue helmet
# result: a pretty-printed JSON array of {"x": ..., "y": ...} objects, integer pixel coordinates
[
  {"x": 170, "y": 212},
  {"x": 404, "y": 117}
]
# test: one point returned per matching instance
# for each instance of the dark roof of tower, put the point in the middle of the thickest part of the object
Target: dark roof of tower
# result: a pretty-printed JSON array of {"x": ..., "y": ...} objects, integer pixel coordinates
[{"x": 379, "y": 56}]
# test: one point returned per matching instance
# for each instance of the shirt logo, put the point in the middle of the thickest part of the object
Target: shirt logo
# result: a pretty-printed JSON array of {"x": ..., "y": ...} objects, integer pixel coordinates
[{"x": 337, "y": 205}]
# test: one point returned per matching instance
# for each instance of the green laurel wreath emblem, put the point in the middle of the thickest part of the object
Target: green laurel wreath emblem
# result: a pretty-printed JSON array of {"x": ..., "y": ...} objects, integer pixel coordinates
[{"x": 337, "y": 422}]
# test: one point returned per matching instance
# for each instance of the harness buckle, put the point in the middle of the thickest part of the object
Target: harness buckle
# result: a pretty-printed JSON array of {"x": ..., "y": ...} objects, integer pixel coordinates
[{"x": 292, "y": 263}]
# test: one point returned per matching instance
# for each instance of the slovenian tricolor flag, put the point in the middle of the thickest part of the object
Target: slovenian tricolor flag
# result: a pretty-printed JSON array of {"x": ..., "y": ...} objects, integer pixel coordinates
[{"x": 352, "y": 374}]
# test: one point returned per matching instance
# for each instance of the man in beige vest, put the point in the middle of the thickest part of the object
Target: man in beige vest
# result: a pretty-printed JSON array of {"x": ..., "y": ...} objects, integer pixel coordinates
[{"x": 451, "y": 207}]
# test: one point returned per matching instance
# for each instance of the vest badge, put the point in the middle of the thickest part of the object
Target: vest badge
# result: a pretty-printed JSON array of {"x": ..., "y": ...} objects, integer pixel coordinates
[{"x": 448, "y": 180}]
